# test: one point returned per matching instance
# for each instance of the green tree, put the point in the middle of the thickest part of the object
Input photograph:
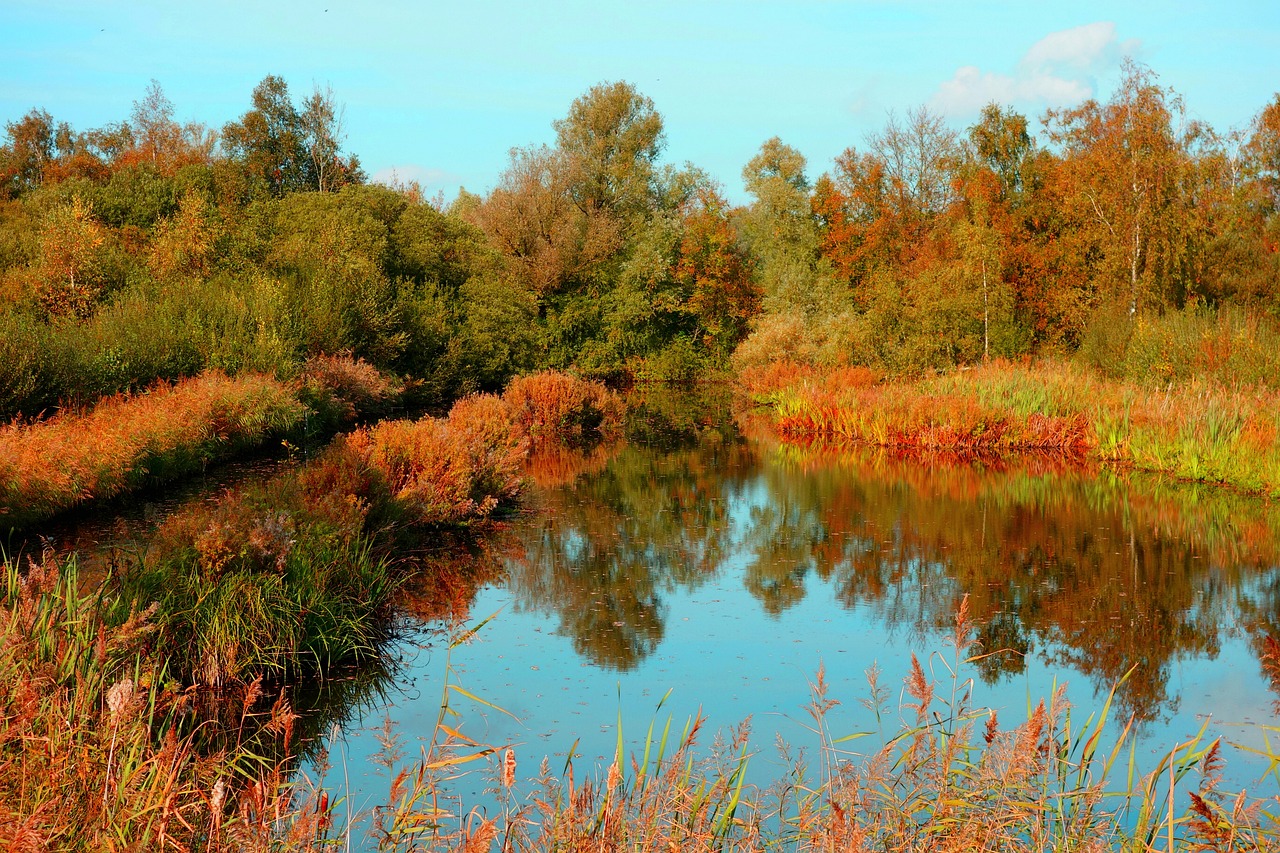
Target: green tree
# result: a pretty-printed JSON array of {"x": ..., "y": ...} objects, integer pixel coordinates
[
  {"x": 291, "y": 150},
  {"x": 610, "y": 141},
  {"x": 1000, "y": 140}
]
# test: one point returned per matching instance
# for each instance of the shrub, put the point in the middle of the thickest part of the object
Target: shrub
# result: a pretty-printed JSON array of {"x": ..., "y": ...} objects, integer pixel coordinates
[
  {"x": 554, "y": 406},
  {"x": 346, "y": 388},
  {"x": 438, "y": 472}
]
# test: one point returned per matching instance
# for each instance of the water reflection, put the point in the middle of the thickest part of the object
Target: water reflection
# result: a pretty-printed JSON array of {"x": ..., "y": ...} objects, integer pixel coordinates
[{"x": 1086, "y": 571}]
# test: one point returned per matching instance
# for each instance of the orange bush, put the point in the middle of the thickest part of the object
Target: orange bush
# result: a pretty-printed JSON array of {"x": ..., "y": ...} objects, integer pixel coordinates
[
  {"x": 762, "y": 380},
  {"x": 554, "y": 406},
  {"x": 351, "y": 386},
  {"x": 446, "y": 471}
]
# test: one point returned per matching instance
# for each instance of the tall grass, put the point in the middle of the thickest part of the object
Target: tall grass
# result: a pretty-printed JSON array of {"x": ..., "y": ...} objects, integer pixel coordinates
[
  {"x": 130, "y": 441},
  {"x": 127, "y": 441},
  {"x": 1227, "y": 347},
  {"x": 99, "y": 751},
  {"x": 1196, "y": 431}
]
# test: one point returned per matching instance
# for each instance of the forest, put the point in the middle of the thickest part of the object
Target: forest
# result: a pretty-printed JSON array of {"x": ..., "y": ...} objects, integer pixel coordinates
[
  {"x": 1100, "y": 284},
  {"x": 1125, "y": 234}
]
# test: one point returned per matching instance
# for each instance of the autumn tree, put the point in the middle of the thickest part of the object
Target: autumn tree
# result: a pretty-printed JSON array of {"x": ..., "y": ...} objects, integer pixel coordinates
[
  {"x": 918, "y": 156},
  {"x": 979, "y": 243},
  {"x": 715, "y": 273},
  {"x": 152, "y": 137},
  {"x": 532, "y": 218},
  {"x": 184, "y": 243},
  {"x": 857, "y": 228},
  {"x": 68, "y": 272},
  {"x": 1123, "y": 164},
  {"x": 1262, "y": 158},
  {"x": 31, "y": 150}
]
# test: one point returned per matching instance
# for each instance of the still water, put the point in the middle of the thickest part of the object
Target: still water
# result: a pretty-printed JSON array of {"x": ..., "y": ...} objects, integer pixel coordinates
[{"x": 704, "y": 567}]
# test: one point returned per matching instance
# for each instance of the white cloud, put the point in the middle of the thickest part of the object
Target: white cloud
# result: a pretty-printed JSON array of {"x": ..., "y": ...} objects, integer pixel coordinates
[
  {"x": 1059, "y": 70},
  {"x": 1080, "y": 48}
]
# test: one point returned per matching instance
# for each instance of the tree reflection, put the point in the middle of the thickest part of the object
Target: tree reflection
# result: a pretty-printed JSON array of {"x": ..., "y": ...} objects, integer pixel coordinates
[
  {"x": 1084, "y": 569},
  {"x": 614, "y": 544}
]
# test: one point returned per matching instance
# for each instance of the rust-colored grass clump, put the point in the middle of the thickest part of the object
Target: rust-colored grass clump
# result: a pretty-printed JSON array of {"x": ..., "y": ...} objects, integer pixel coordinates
[
  {"x": 130, "y": 440},
  {"x": 554, "y": 407},
  {"x": 448, "y": 470},
  {"x": 1194, "y": 431}
]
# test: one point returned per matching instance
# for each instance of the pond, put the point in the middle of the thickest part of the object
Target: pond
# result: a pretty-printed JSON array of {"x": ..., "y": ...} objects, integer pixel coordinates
[{"x": 704, "y": 567}]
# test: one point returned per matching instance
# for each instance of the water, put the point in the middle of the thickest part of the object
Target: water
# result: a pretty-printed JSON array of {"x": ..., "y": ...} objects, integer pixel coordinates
[{"x": 702, "y": 570}]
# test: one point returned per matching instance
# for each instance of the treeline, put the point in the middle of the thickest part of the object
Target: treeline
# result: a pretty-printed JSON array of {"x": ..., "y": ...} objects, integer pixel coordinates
[
  {"x": 152, "y": 249},
  {"x": 927, "y": 248}
]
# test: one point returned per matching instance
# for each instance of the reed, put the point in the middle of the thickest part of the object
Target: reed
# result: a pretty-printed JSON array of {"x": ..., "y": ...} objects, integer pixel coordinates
[
  {"x": 132, "y": 441},
  {"x": 99, "y": 750},
  {"x": 1194, "y": 431}
]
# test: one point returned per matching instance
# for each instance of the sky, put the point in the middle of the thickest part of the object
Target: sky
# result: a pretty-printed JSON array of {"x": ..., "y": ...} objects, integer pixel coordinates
[{"x": 441, "y": 92}]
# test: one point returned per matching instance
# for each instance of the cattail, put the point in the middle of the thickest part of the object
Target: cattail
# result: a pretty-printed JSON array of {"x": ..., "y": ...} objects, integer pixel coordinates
[
  {"x": 508, "y": 767},
  {"x": 217, "y": 797},
  {"x": 119, "y": 697}
]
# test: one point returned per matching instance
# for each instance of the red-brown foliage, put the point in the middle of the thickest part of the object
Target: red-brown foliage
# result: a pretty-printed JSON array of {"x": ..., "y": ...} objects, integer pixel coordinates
[{"x": 554, "y": 406}]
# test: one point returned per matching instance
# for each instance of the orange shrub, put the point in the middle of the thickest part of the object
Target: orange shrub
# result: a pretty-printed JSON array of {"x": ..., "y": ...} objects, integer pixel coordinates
[
  {"x": 554, "y": 406},
  {"x": 445, "y": 471},
  {"x": 760, "y": 381},
  {"x": 351, "y": 386}
]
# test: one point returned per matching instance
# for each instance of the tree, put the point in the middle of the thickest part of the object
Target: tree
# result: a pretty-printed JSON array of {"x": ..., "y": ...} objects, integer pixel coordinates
[
  {"x": 321, "y": 122},
  {"x": 919, "y": 157},
  {"x": 292, "y": 150},
  {"x": 1000, "y": 141},
  {"x": 781, "y": 231},
  {"x": 184, "y": 243},
  {"x": 30, "y": 151},
  {"x": 857, "y": 226},
  {"x": 715, "y": 273},
  {"x": 550, "y": 242},
  {"x": 68, "y": 270},
  {"x": 160, "y": 141},
  {"x": 775, "y": 176},
  {"x": 1123, "y": 167},
  {"x": 268, "y": 138},
  {"x": 1262, "y": 158},
  {"x": 610, "y": 141},
  {"x": 979, "y": 245}
]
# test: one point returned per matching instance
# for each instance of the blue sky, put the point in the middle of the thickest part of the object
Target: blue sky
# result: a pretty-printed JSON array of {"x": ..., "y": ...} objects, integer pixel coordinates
[{"x": 440, "y": 92}]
